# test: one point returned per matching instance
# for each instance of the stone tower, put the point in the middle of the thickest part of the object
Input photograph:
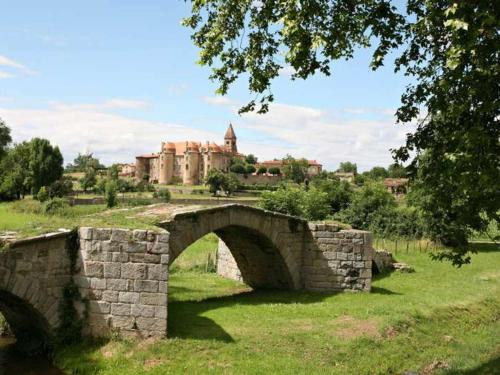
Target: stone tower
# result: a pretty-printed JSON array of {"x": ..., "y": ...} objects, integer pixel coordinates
[
  {"x": 166, "y": 166},
  {"x": 191, "y": 164},
  {"x": 230, "y": 140}
]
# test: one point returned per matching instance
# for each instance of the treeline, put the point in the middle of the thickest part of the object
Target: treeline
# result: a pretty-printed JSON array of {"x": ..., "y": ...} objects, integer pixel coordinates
[{"x": 28, "y": 166}]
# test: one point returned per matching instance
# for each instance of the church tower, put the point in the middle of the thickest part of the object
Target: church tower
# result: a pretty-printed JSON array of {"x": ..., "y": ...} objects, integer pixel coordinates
[{"x": 230, "y": 140}]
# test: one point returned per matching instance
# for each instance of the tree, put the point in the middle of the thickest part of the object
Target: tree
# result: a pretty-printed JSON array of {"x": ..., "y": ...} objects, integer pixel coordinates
[
  {"x": 295, "y": 169},
  {"x": 89, "y": 180},
  {"x": 377, "y": 173},
  {"x": 84, "y": 161},
  {"x": 5, "y": 138},
  {"x": 262, "y": 170},
  {"x": 238, "y": 168},
  {"x": 46, "y": 163},
  {"x": 250, "y": 168},
  {"x": 339, "y": 193},
  {"x": 348, "y": 167},
  {"x": 449, "y": 48},
  {"x": 396, "y": 170},
  {"x": 274, "y": 171},
  {"x": 250, "y": 159},
  {"x": 111, "y": 193},
  {"x": 220, "y": 181},
  {"x": 113, "y": 172}
]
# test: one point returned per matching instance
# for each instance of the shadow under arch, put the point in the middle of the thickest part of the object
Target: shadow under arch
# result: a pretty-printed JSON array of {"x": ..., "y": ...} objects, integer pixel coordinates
[{"x": 30, "y": 328}]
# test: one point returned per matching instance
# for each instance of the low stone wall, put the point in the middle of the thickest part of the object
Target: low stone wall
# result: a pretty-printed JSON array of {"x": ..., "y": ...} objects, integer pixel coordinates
[
  {"x": 337, "y": 260},
  {"x": 226, "y": 264},
  {"x": 123, "y": 274},
  {"x": 333, "y": 259}
]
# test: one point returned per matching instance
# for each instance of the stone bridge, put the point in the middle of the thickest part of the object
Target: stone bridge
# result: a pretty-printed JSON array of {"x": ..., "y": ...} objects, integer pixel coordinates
[{"x": 122, "y": 274}]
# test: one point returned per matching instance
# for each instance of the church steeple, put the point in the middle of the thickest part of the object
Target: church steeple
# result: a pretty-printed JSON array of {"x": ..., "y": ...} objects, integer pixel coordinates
[{"x": 230, "y": 140}]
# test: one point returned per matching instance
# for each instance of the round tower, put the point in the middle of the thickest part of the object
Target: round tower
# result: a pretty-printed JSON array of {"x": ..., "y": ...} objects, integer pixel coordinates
[
  {"x": 191, "y": 164},
  {"x": 166, "y": 163}
]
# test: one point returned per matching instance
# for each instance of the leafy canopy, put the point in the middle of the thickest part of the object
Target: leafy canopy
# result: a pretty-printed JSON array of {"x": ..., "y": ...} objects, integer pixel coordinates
[{"x": 450, "y": 48}]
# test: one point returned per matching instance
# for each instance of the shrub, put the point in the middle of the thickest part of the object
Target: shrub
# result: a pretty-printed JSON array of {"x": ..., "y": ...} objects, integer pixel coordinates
[
  {"x": 287, "y": 200},
  {"x": 238, "y": 168},
  {"x": 60, "y": 188},
  {"x": 274, "y": 171},
  {"x": 55, "y": 206},
  {"x": 250, "y": 169},
  {"x": 111, "y": 194},
  {"x": 125, "y": 185},
  {"x": 365, "y": 205},
  {"x": 176, "y": 180},
  {"x": 220, "y": 181},
  {"x": 339, "y": 193},
  {"x": 261, "y": 170},
  {"x": 42, "y": 194},
  {"x": 315, "y": 204},
  {"x": 29, "y": 206},
  {"x": 163, "y": 194}
]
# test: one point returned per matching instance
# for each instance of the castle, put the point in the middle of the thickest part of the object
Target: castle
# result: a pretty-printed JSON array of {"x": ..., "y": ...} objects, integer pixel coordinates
[{"x": 188, "y": 161}]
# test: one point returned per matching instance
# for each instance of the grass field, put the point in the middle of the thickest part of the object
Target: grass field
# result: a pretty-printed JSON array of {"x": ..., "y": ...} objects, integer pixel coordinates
[{"x": 437, "y": 320}]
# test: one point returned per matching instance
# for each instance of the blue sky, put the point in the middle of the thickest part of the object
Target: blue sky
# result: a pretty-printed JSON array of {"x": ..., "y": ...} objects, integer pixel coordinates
[{"x": 118, "y": 77}]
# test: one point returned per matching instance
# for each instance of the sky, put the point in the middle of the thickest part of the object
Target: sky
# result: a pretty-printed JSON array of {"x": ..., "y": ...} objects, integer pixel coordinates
[{"x": 118, "y": 77}]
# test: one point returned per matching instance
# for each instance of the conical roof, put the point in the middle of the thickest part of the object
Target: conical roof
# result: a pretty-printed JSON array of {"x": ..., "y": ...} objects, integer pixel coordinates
[{"x": 230, "y": 132}]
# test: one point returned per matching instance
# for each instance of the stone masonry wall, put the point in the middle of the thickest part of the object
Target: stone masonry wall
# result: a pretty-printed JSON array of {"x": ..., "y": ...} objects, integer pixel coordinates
[
  {"x": 333, "y": 260},
  {"x": 123, "y": 274},
  {"x": 336, "y": 260},
  {"x": 226, "y": 264}
]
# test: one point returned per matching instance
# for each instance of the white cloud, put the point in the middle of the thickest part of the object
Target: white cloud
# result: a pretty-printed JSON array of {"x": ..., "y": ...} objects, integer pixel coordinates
[
  {"x": 4, "y": 75},
  {"x": 219, "y": 100},
  {"x": 286, "y": 71},
  {"x": 112, "y": 137},
  {"x": 317, "y": 134},
  {"x": 178, "y": 88},
  {"x": 5, "y": 61}
]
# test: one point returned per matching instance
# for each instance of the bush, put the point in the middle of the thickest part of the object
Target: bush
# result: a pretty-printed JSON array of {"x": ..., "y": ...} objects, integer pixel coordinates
[
  {"x": 287, "y": 200},
  {"x": 315, "y": 205},
  {"x": 339, "y": 193},
  {"x": 262, "y": 170},
  {"x": 250, "y": 169},
  {"x": 28, "y": 206},
  {"x": 220, "y": 181},
  {"x": 176, "y": 180},
  {"x": 125, "y": 185},
  {"x": 55, "y": 206},
  {"x": 238, "y": 168},
  {"x": 163, "y": 194},
  {"x": 275, "y": 171},
  {"x": 111, "y": 194},
  {"x": 60, "y": 188},
  {"x": 42, "y": 195},
  {"x": 366, "y": 203}
]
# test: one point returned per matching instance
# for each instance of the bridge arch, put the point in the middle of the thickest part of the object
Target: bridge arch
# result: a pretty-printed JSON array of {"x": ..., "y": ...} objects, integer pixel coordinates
[
  {"x": 267, "y": 246},
  {"x": 33, "y": 273}
]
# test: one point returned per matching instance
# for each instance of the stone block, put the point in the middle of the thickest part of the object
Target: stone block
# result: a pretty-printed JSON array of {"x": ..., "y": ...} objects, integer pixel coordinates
[
  {"x": 164, "y": 259},
  {"x": 116, "y": 284},
  {"x": 112, "y": 270},
  {"x": 157, "y": 272},
  {"x": 99, "y": 307},
  {"x": 102, "y": 234},
  {"x": 122, "y": 322},
  {"x": 110, "y": 296},
  {"x": 156, "y": 299},
  {"x": 85, "y": 233},
  {"x": 136, "y": 247},
  {"x": 140, "y": 235},
  {"x": 163, "y": 237},
  {"x": 162, "y": 286},
  {"x": 159, "y": 248},
  {"x": 133, "y": 271},
  {"x": 97, "y": 283},
  {"x": 120, "y": 309},
  {"x": 93, "y": 269},
  {"x": 129, "y": 297},
  {"x": 143, "y": 310},
  {"x": 146, "y": 286},
  {"x": 161, "y": 312},
  {"x": 119, "y": 257},
  {"x": 120, "y": 235}
]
